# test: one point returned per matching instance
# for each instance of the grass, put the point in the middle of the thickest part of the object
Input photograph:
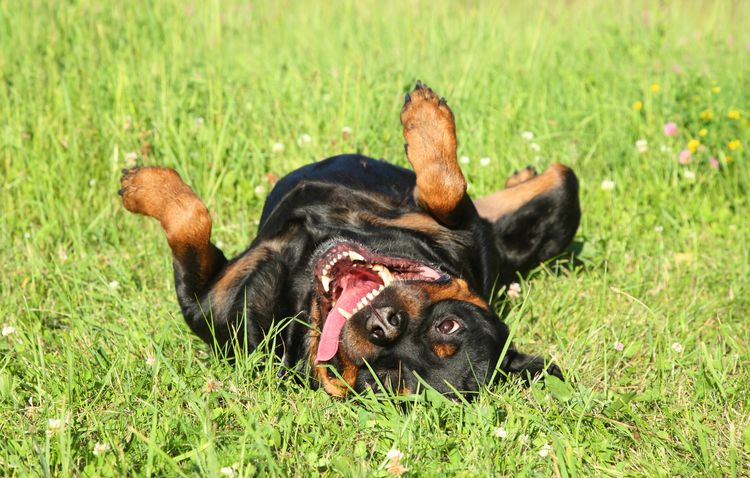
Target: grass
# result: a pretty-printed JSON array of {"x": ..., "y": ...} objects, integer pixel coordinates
[{"x": 209, "y": 87}]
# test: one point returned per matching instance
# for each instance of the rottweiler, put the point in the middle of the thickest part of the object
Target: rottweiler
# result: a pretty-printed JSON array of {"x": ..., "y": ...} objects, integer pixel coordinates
[{"x": 387, "y": 272}]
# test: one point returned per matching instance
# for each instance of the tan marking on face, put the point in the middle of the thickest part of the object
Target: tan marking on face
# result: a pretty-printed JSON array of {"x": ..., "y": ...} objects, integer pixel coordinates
[
  {"x": 456, "y": 289},
  {"x": 444, "y": 350},
  {"x": 331, "y": 383},
  {"x": 493, "y": 206}
]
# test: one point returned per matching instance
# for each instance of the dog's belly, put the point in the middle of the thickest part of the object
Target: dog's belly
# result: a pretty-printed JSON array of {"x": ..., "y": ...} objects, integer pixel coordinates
[{"x": 366, "y": 176}]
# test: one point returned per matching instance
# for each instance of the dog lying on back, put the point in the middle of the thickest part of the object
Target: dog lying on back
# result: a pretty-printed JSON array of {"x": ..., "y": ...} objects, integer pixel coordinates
[{"x": 388, "y": 271}]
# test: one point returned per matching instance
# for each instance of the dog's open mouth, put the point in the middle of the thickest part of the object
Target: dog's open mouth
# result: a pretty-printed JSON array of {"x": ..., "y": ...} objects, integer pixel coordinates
[{"x": 348, "y": 277}]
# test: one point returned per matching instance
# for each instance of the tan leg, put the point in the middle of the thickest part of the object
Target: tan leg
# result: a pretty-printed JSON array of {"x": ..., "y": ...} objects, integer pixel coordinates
[
  {"x": 160, "y": 193},
  {"x": 523, "y": 187},
  {"x": 430, "y": 135}
]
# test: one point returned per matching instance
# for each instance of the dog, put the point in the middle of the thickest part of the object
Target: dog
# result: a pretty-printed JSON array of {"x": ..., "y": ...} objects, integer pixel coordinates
[{"x": 387, "y": 272}]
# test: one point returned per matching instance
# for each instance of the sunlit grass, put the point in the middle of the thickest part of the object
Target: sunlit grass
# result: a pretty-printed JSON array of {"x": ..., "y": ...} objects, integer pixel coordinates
[{"x": 651, "y": 328}]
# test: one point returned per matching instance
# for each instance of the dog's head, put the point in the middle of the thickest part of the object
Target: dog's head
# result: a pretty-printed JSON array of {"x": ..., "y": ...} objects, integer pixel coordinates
[{"x": 389, "y": 322}]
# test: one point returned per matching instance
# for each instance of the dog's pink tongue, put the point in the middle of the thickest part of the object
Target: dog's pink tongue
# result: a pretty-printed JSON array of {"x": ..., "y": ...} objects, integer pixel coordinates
[{"x": 329, "y": 338}]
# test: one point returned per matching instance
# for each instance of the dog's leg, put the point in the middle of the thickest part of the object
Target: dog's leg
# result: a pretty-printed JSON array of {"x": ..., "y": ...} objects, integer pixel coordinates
[
  {"x": 430, "y": 135},
  {"x": 160, "y": 193},
  {"x": 534, "y": 219}
]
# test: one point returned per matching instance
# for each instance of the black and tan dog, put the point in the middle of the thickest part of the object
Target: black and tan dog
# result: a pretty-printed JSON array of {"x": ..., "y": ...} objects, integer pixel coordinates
[{"x": 388, "y": 271}]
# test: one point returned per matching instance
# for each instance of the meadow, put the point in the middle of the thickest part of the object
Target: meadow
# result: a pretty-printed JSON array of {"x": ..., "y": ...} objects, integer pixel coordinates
[{"x": 649, "y": 102}]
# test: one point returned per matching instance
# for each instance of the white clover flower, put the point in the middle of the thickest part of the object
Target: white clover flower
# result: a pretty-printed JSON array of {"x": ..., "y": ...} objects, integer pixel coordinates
[
  {"x": 688, "y": 175},
  {"x": 514, "y": 290},
  {"x": 277, "y": 147},
  {"x": 500, "y": 432},
  {"x": 199, "y": 121},
  {"x": 608, "y": 185},
  {"x": 304, "y": 139},
  {"x": 535, "y": 147},
  {"x": 54, "y": 425},
  {"x": 114, "y": 285},
  {"x": 641, "y": 146},
  {"x": 150, "y": 360},
  {"x": 394, "y": 454},
  {"x": 619, "y": 346},
  {"x": 259, "y": 190},
  {"x": 677, "y": 347},
  {"x": 227, "y": 471},
  {"x": 544, "y": 451},
  {"x": 464, "y": 160},
  {"x": 658, "y": 229},
  {"x": 346, "y": 131},
  {"x": 100, "y": 448},
  {"x": 213, "y": 385},
  {"x": 527, "y": 136},
  {"x": 8, "y": 330},
  {"x": 92, "y": 182},
  {"x": 27, "y": 235},
  {"x": 485, "y": 161},
  {"x": 130, "y": 159}
]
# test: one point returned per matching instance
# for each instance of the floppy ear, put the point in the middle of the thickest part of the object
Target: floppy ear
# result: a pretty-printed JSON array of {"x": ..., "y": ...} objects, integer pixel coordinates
[{"x": 527, "y": 366}]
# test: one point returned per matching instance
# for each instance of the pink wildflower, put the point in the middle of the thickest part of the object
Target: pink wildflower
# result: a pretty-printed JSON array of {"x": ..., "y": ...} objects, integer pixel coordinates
[
  {"x": 685, "y": 157},
  {"x": 670, "y": 129},
  {"x": 713, "y": 162}
]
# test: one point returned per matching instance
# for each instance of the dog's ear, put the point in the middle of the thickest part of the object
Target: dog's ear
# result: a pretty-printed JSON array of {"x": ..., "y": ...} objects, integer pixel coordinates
[{"x": 527, "y": 366}]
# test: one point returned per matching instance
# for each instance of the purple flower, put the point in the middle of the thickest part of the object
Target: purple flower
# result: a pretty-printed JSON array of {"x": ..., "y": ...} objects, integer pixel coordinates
[
  {"x": 685, "y": 157},
  {"x": 670, "y": 129}
]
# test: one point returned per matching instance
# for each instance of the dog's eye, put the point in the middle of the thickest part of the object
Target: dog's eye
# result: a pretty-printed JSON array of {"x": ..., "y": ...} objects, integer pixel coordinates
[{"x": 448, "y": 326}]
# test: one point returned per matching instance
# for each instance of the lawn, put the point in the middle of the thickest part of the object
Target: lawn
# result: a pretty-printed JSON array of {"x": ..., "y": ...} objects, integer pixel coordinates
[{"x": 99, "y": 375}]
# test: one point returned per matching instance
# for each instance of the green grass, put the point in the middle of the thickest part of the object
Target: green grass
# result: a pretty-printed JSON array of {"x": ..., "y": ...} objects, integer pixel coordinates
[{"x": 99, "y": 342}]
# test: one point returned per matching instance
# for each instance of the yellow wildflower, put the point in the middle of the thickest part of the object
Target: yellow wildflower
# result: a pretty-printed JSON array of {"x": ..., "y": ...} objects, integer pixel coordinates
[
  {"x": 729, "y": 159},
  {"x": 703, "y": 132},
  {"x": 733, "y": 114},
  {"x": 706, "y": 115},
  {"x": 693, "y": 145},
  {"x": 716, "y": 89},
  {"x": 734, "y": 145},
  {"x": 638, "y": 105},
  {"x": 655, "y": 88}
]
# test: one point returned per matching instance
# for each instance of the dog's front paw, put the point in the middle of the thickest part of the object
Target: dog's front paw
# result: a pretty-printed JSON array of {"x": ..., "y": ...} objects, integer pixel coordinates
[
  {"x": 424, "y": 108},
  {"x": 149, "y": 190}
]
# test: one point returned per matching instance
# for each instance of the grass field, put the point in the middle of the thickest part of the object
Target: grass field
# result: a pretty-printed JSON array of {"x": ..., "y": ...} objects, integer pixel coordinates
[{"x": 99, "y": 375}]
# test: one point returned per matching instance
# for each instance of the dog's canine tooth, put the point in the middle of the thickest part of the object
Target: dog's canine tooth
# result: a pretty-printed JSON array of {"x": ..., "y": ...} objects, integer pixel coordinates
[
  {"x": 326, "y": 281},
  {"x": 355, "y": 256},
  {"x": 386, "y": 276},
  {"x": 347, "y": 315}
]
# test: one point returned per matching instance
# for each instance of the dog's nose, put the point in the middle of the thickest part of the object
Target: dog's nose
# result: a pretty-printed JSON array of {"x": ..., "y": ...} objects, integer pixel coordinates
[{"x": 384, "y": 325}]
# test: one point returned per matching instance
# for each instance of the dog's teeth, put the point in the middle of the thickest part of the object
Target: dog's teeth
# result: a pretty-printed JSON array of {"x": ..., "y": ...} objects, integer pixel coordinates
[
  {"x": 377, "y": 267},
  {"x": 375, "y": 292},
  {"x": 386, "y": 276},
  {"x": 355, "y": 256},
  {"x": 331, "y": 263},
  {"x": 347, "y": 315},
  {"x": 326, "y": 281},
  {"x": 370, "y": 296},
  {"x": 380, "y": 289}
]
